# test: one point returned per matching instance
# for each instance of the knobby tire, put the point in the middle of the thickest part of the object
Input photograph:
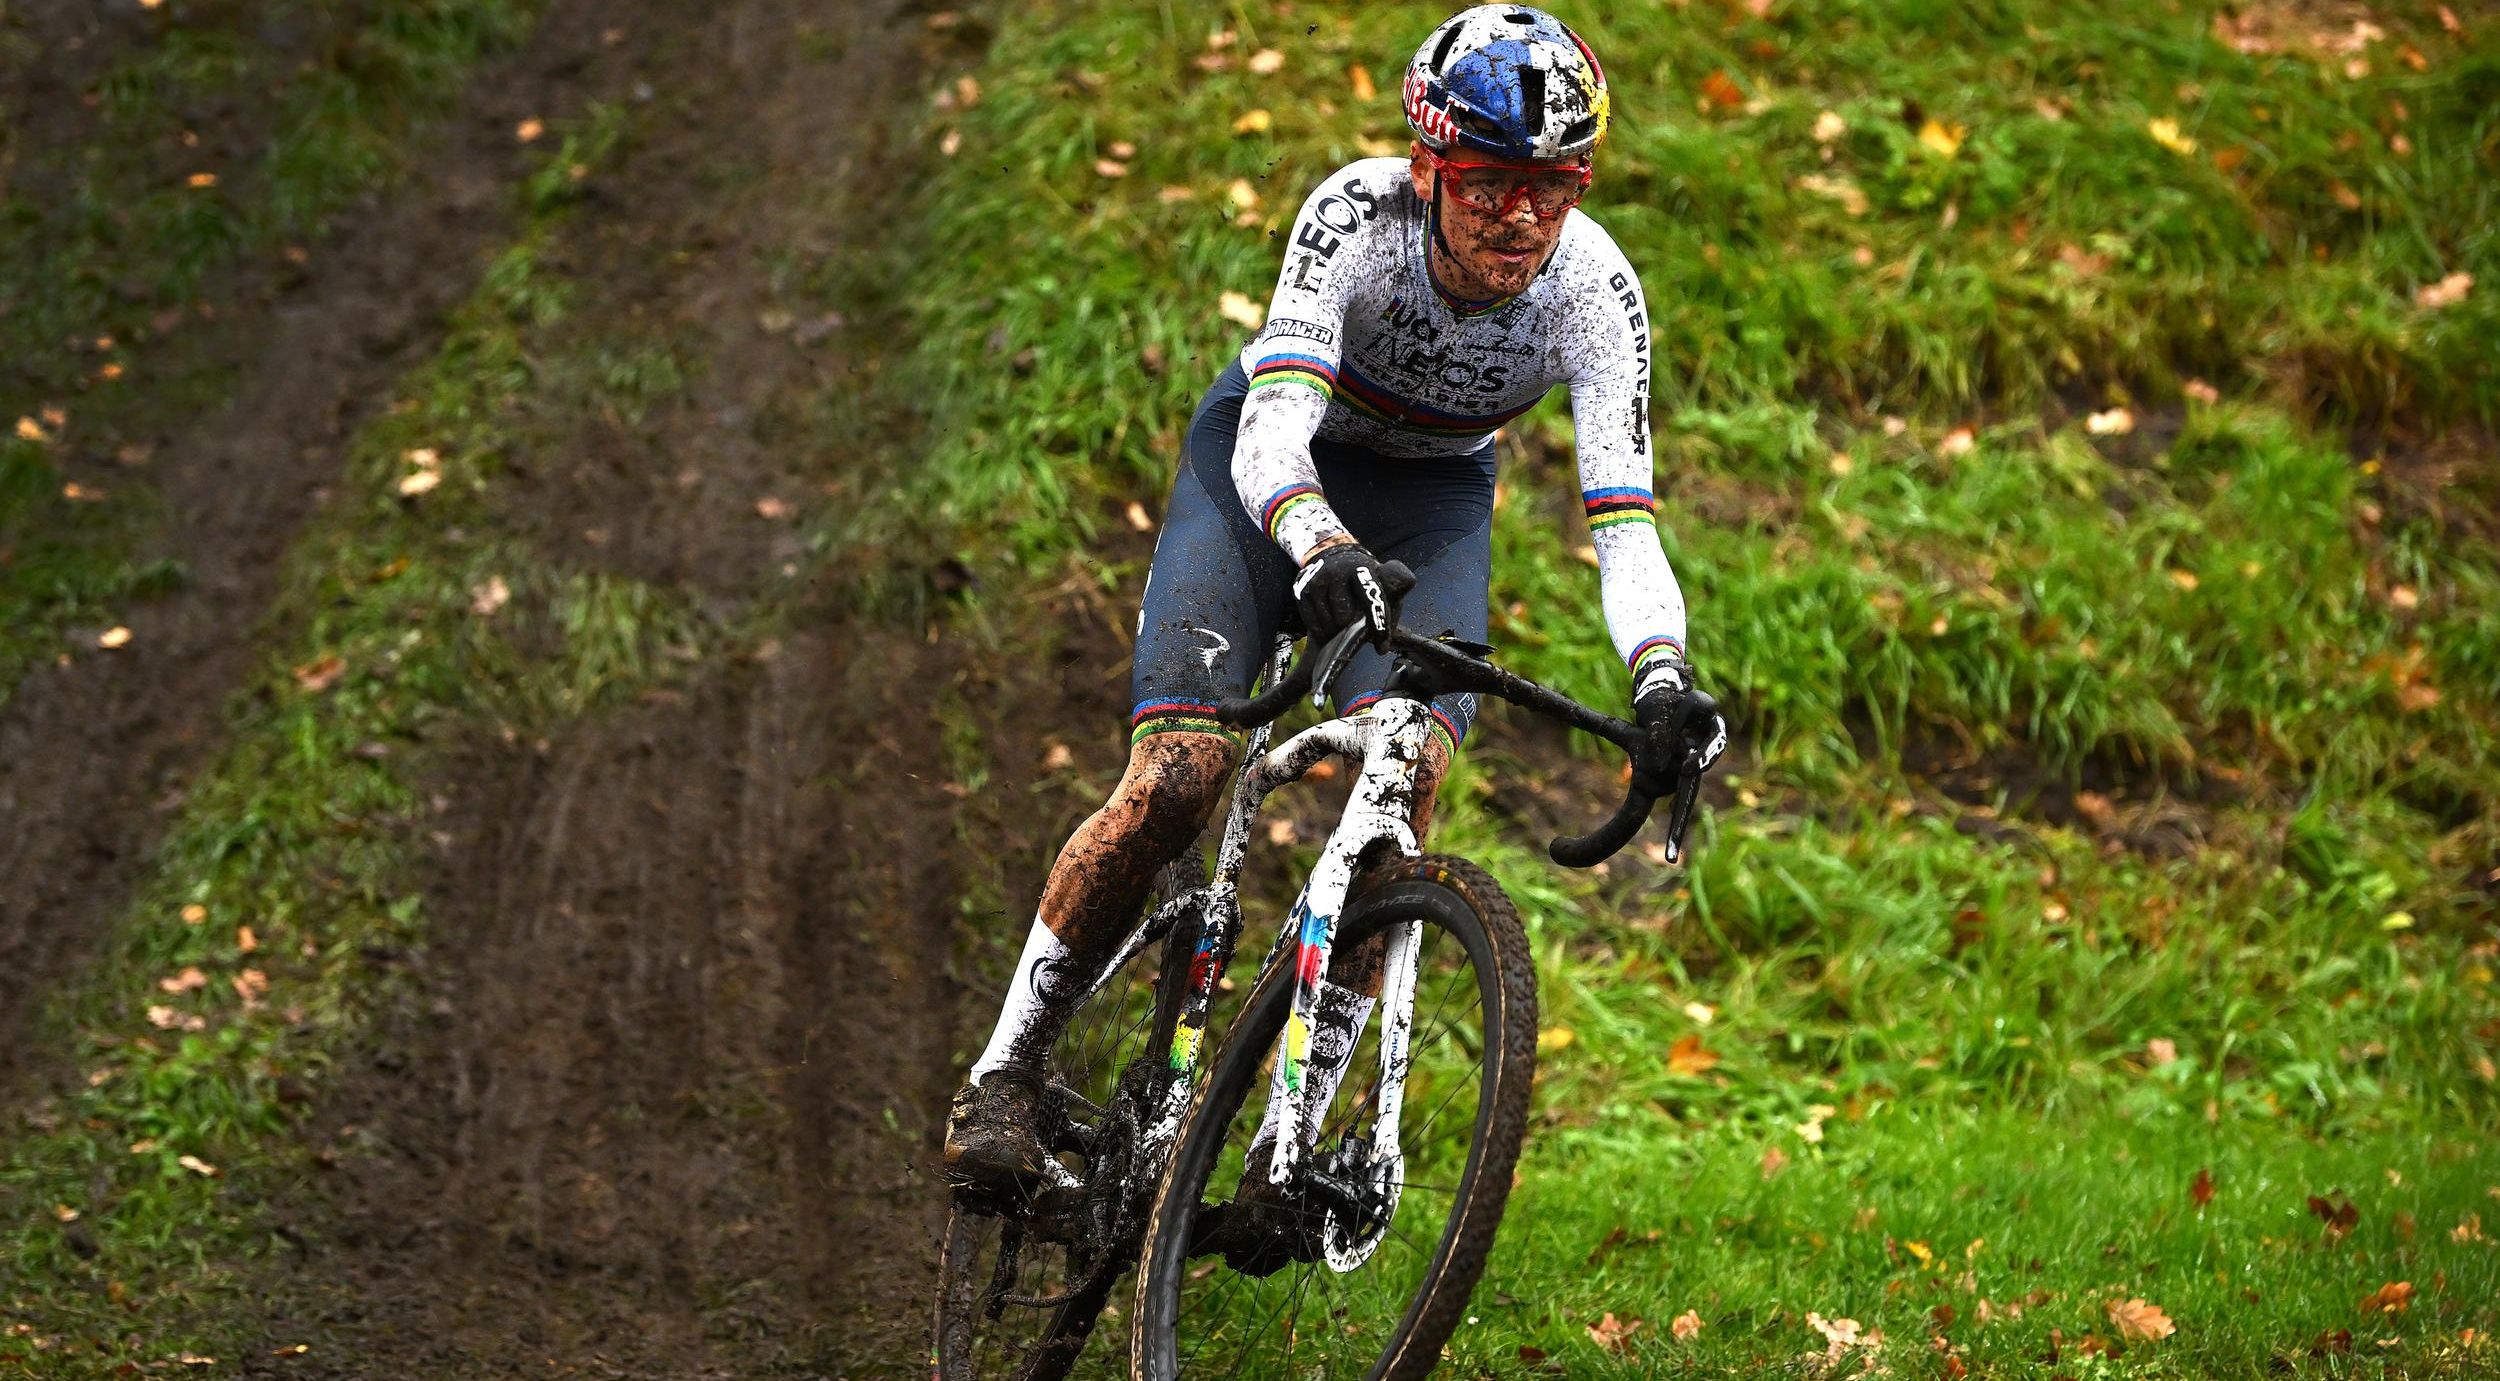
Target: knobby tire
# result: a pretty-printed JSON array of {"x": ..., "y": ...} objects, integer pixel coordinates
[{"x": 1463, "y": 902}]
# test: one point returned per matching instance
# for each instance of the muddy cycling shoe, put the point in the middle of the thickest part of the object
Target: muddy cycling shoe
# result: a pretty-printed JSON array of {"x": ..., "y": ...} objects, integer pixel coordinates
[
  {"x": 994, "y": 1152},
  {"x": 1263, "y": 1228}
]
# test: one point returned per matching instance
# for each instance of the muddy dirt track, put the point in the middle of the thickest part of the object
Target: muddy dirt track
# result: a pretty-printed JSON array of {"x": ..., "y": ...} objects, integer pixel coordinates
[{"x": 659, "y": 1093}]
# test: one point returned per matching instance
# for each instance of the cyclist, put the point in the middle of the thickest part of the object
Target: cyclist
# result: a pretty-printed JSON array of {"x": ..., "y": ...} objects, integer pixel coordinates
[{"x": 1424, "y": 302}]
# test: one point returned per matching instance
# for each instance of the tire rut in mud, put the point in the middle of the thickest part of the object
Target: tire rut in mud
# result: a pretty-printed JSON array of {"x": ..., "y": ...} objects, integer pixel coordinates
[
  {"x": 95, "y": 754},
  {"x": 658, "y": 1091},
  {"x": 655, "y": 1098}
]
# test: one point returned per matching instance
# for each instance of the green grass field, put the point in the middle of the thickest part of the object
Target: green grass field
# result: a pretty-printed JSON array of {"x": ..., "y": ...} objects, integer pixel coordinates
[
  {"x": 2116, "y": 802},
  {"x": 2112, "y": 859}
]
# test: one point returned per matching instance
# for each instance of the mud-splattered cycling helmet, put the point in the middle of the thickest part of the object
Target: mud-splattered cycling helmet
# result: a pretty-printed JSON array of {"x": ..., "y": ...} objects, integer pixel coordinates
[{"x": 1508, "y": 81}]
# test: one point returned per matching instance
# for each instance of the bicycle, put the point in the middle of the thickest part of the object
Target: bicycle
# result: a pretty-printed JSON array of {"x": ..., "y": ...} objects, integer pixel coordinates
[{"x": 1148, "y": 1136}]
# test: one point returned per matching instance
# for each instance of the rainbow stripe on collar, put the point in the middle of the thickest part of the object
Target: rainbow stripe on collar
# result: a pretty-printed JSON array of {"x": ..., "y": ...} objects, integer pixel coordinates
[{"x": 1609, "y": 508}]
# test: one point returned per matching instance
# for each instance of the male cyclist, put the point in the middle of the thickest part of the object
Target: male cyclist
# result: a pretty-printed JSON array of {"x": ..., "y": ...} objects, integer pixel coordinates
[{"x": 1424, "y": 302}]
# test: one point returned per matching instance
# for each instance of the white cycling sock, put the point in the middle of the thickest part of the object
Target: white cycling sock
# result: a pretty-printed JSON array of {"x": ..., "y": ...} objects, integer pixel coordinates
[
  {"x": 1036, "y": 995},
  {"x": 1337, "y": 1028}
]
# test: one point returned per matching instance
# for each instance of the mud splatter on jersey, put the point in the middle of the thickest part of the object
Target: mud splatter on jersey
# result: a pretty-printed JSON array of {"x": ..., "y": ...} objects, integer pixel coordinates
[{"x": 1363, "y": 346}]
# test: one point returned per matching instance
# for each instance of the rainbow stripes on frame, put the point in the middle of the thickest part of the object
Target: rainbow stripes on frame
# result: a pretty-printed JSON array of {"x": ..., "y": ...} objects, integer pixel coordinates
[
  {"x": 1617, "y": 507},
  {"x": 1174, "y": 717},
  {"x": 1299, "y": 370},
  {"x": 1441, "y": 720}
]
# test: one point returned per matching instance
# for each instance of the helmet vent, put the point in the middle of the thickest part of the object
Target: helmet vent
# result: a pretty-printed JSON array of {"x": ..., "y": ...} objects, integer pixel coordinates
[
  {"x": 1441, "y": 55},
  {"x": 1532, "y": 95},
  {"x": 1583, "y": 128},
  {"x": 1521, "y": 16}
]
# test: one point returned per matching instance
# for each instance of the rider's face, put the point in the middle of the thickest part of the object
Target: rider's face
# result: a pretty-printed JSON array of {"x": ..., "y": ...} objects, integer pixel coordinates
[{"x": 1497, "y": 255}]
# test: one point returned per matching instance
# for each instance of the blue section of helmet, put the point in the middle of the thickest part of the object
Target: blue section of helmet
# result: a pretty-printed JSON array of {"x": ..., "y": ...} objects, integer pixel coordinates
[{"x": 1489, "y": 83}]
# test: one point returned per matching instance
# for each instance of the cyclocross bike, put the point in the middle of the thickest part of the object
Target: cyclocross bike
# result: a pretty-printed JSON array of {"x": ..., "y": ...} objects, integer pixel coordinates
[{"x": 1357, "y": 1254}]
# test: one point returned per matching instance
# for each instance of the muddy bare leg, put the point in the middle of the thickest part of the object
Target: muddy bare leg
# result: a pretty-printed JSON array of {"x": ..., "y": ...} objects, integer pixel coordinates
[{"x": 1099, "y": 884}]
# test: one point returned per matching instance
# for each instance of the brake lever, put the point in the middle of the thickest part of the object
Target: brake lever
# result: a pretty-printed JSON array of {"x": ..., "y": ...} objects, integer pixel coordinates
[
  {"x": 1332, "y": 660},
  {"x": 1680, "y": 813}
]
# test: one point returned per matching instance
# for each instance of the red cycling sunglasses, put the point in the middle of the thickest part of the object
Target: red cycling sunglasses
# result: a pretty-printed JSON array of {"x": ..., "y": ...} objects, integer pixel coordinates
[{"x": 1497, "y": 188}]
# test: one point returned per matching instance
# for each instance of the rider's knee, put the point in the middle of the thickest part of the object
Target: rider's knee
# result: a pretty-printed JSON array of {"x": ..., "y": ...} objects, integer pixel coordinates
[{"x": 1173, "y": 780}]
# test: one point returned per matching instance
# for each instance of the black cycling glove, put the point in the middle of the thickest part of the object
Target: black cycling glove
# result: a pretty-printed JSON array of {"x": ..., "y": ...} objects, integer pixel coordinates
[
  {"x": 1688, "y": 716},
  {"x": 1346, "y": 585}
]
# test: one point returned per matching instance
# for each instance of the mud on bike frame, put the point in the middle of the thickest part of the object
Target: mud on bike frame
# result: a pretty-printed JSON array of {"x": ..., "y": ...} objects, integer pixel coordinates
[{"x": 1387, "y": 743}]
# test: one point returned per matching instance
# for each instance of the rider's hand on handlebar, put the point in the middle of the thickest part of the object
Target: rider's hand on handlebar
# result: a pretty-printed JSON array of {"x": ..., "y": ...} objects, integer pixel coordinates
[
  {"x": 1346, "y": 585},
  {"x": 1681, "y": 721}
]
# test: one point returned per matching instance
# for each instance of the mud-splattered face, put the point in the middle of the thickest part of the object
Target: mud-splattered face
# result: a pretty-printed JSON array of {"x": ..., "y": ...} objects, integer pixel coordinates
[{"x": 1490, "y": 255}]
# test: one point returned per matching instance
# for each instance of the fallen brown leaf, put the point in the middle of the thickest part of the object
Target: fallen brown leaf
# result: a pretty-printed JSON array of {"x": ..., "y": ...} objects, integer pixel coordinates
[
  {"x": 320, "y": 673},
  {"x": 2339, "y": 1214},
  {"x": 2447, "y": 292},
  {"x": 2395, "y": 1297},
  {"x": 2201, "y": 1189},
  {"x": 1689, "y": 1056},
  {"x": 2136, "y": 1319},
  {"x": 1612, "y": 1335}
]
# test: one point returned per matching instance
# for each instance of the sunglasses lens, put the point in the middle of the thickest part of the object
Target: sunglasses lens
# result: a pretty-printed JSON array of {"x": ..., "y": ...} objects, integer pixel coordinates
[{"x": 1496, "y": 190}]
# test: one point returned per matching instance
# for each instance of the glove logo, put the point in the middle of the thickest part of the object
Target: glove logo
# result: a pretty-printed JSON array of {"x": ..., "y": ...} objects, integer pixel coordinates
[{"x": 1371, "y": 592}]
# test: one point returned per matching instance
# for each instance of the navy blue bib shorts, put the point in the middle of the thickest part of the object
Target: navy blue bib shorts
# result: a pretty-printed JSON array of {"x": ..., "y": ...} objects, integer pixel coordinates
[{"x": 1219, "y": 589}]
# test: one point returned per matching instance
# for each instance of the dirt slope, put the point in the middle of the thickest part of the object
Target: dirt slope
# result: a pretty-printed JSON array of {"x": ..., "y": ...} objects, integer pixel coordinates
[
  {"x": 660, "y": 1092},
  {"x": 94, "y": 753}
]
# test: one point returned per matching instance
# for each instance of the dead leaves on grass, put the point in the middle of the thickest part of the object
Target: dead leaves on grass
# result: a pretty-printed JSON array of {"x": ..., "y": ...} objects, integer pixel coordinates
[
  {"x": 2394, "y": 1297},
  {"x": 1612, "y": 1335},
  {"x": 2139, "y": 1321}
]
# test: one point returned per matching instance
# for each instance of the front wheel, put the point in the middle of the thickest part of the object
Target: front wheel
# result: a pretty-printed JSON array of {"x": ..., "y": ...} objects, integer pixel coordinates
[{"x": 1429, "y": 1216}]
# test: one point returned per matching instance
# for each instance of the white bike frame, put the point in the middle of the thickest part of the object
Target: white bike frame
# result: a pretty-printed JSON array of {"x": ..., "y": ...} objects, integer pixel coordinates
[{"x": 1387, "y": 744}]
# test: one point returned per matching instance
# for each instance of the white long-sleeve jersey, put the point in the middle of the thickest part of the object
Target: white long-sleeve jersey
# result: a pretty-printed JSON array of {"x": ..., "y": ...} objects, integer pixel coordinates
[{"x": 1362, "y": 346}]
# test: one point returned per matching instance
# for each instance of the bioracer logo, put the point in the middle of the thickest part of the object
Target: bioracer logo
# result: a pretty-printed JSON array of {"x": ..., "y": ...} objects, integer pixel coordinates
[{"x": 1371, "y": 591}]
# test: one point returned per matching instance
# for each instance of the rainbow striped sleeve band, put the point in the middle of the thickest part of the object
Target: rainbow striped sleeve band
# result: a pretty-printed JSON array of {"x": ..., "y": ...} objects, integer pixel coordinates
[
  {"x": 1652, "y": 649},
  {"x": 1616, "y": 507},
  {"x": 1284, "y": 501},
  {"x": 1290, "y": 367},
  {"x": 1174, "y": 717}
]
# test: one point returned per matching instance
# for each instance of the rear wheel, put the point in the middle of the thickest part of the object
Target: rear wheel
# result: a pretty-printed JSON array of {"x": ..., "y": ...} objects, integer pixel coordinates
[
  {"x": 1020, "y": 1293},
  {"x": 1411, "y": 1235}
]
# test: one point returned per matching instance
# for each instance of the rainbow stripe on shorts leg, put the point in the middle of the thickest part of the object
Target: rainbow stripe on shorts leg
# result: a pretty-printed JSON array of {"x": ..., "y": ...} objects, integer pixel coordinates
[
  {"x": 1610, "y": 508},
  {"x": 1174, "y": 717}
]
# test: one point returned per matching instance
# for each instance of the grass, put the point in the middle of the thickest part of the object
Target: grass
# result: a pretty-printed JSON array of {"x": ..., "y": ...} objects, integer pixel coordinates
[
  {"x": 214, "y": 145},
  {"x": 2110, "y": 805}
]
